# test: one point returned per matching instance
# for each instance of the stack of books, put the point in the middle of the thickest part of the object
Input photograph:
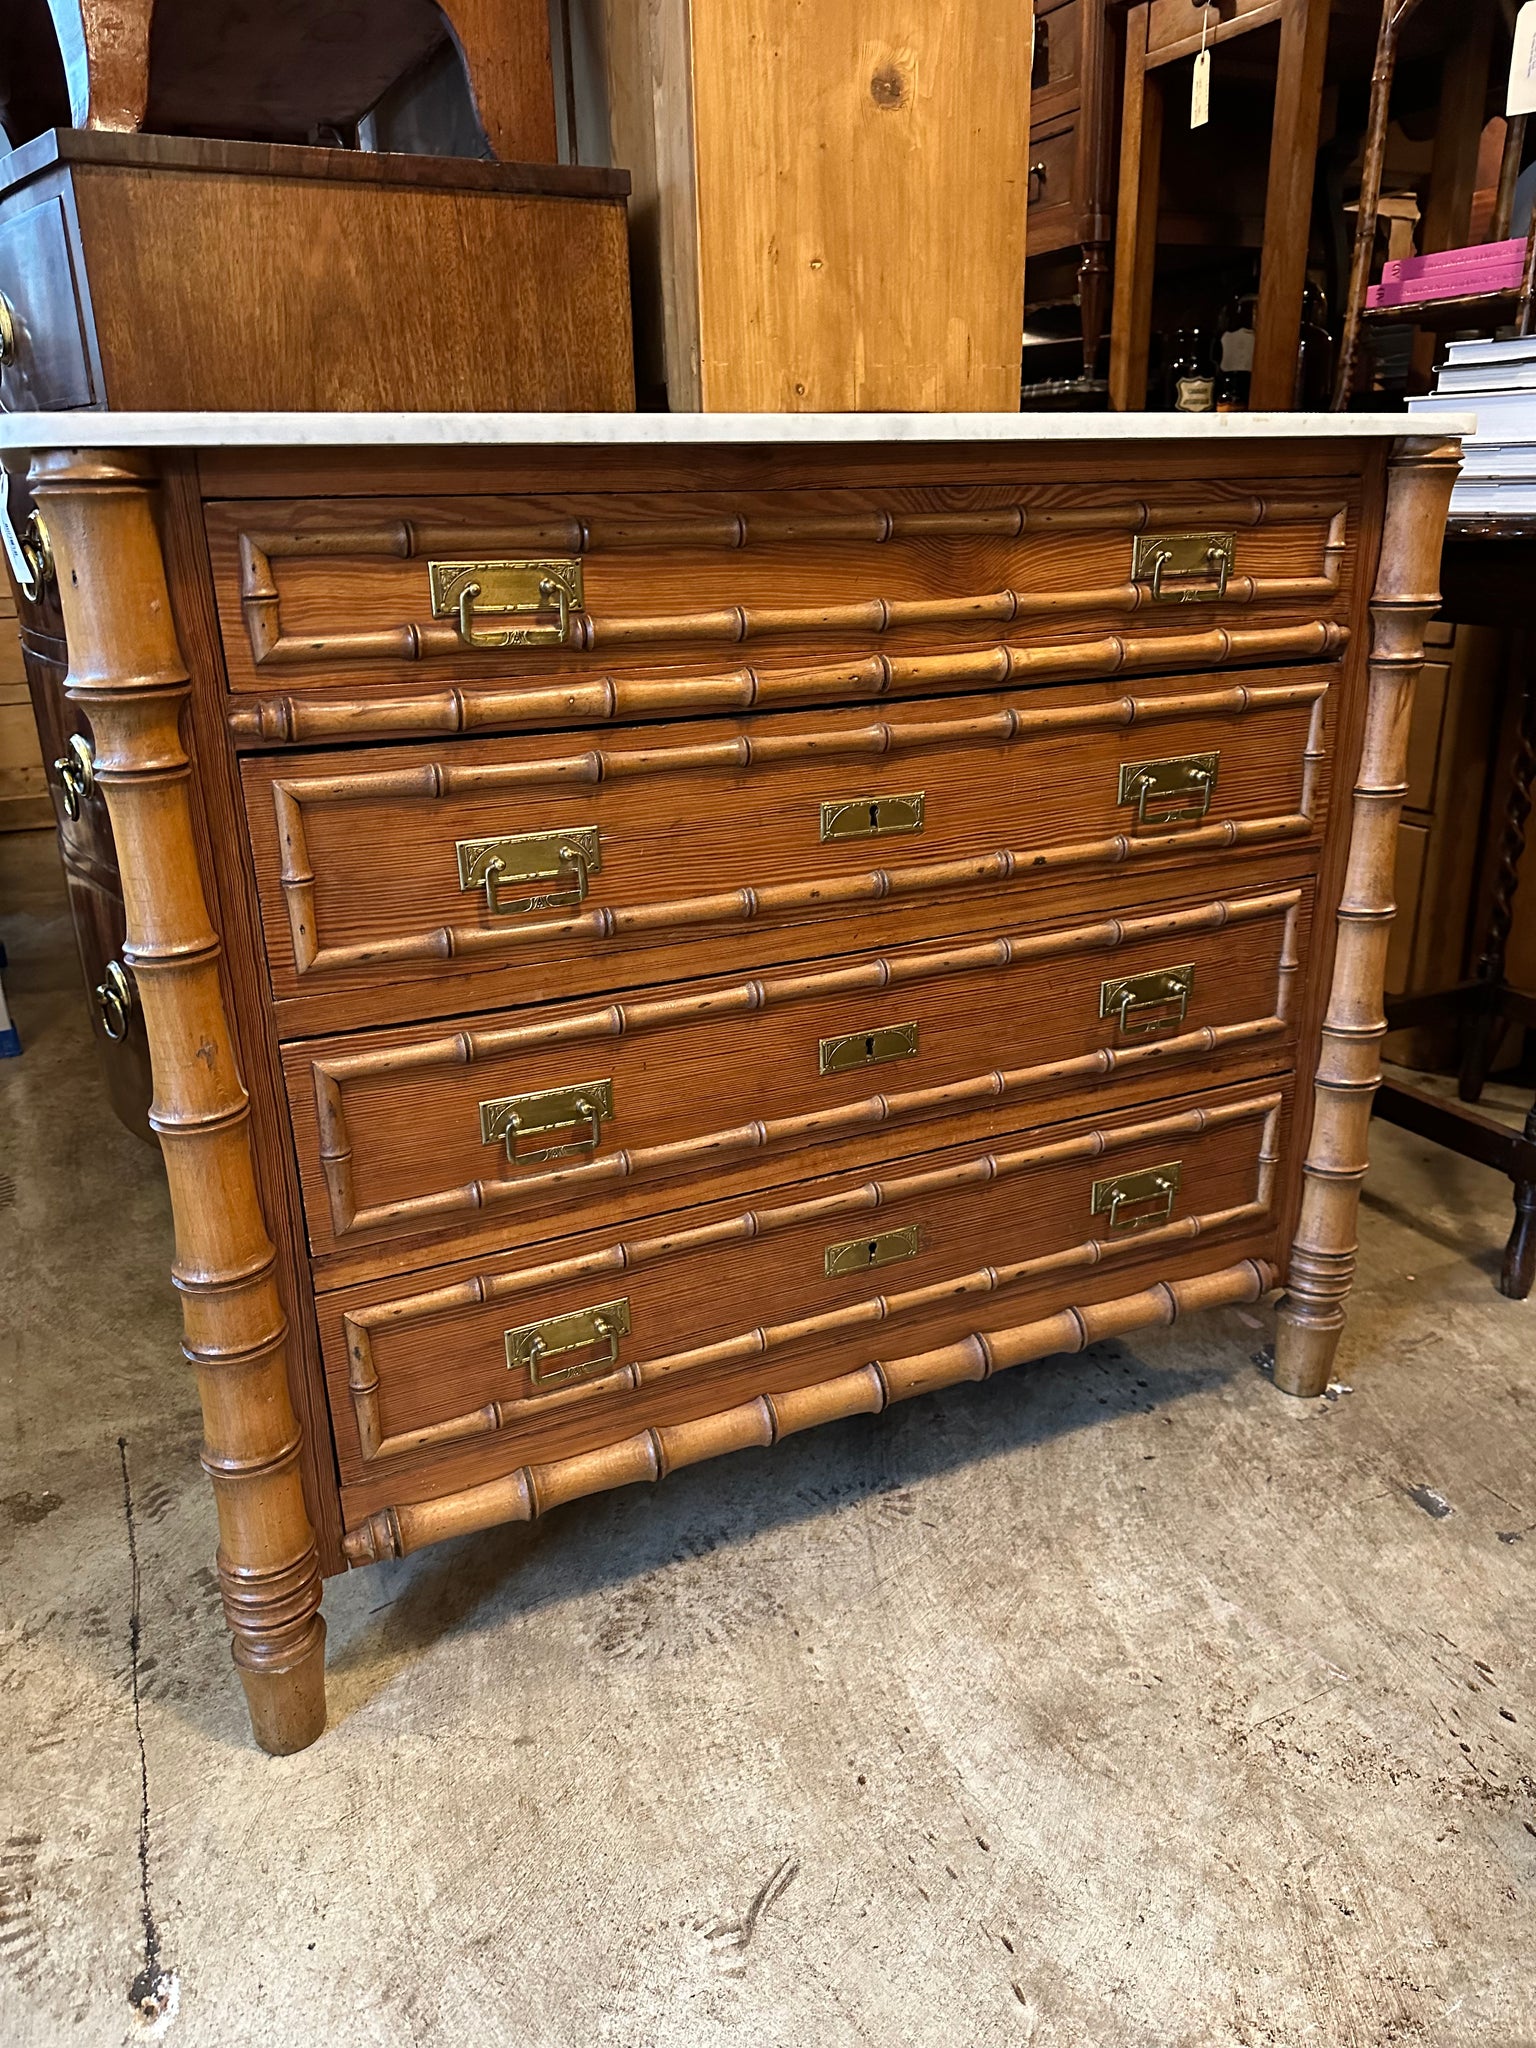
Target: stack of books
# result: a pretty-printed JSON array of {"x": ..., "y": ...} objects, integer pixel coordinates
[
  {"x": 1497, "y": 380},
  {"x": 1450, "y": 274}
]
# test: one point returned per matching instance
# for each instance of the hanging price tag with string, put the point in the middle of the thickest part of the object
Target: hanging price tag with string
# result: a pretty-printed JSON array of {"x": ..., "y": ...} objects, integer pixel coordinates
[
  {"x": 1522, "y": 63},
  {"x": 1200, "y": 84}
]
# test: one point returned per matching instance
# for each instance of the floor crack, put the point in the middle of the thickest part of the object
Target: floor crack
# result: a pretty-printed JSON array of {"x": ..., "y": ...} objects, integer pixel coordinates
[{"x": 155, "y": 1992}]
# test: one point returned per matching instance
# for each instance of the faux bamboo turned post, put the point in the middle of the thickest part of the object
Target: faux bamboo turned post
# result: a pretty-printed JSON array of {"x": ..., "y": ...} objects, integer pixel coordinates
[
  {"x": 1322, "y": 1261},
  {"x": 127, "y": 675}
]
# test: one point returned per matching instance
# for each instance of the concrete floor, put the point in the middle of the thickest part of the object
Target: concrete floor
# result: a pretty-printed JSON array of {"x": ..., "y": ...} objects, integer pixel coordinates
[{"x": 1117, "y": 1704}]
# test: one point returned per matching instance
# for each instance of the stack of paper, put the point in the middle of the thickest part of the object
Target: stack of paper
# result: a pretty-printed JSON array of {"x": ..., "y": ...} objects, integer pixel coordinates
[{"x": 1497, "y": 379}]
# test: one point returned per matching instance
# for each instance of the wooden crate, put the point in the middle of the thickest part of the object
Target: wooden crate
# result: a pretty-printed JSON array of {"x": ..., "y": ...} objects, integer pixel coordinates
[{"x": 829, "y": 201}]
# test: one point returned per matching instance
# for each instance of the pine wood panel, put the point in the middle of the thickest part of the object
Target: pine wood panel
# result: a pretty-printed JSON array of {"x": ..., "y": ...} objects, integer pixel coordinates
[
  {"x": 714, "y": 827},
  {"x": 723, "y": 1083},
  {"x": 314, "y": 596},
  {"x": 840, "y": 199},
  {"x": 725, "y": 1303}
]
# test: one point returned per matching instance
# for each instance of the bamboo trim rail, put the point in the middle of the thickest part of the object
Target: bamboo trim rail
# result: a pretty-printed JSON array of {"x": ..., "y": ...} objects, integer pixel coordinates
[
  {"x": 1321, "y": 1268},
  {"x": 531, "y": 1490},
  {"x": 434, "y": 781},
  {"x": 633, "y": 1255},
  {"x": 470, "y": 707},
  {"x": 754, "y": 997},
  {"x": 127, "y": 674},
  {"x": 406, "y": 539}
]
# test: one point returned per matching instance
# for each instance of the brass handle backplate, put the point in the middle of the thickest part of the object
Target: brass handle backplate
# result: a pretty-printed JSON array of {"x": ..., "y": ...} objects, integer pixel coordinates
[
  {"x": 528, "y": 1122},
  {"x": 30, "y": 553},
  {"x": 114, "y": 1001},
  {"x": 1138, "y": 1201},
  {"x": 563, "y": 859},
  {"x": 1143, "y": 1003},
  {"x": 867, "y": 1048},
  {"x": 542, "y": 592},
  {"x": 76, "y": 770},
  {"x": 1173, "y": 791},
  {"x": 597, "y": 1330},
  {"x": 856, "y": 1254},
  {"x": 1184, "y": 568},
  {"x": 872, "y": 817}
]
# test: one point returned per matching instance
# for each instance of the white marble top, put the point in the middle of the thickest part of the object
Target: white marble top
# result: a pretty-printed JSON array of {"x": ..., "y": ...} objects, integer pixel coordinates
[{"x": 670, "y": 430}]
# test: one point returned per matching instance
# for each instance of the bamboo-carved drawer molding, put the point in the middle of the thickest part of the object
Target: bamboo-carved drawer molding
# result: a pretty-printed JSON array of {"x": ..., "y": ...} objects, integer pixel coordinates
[{"x": 654, "y": 935}]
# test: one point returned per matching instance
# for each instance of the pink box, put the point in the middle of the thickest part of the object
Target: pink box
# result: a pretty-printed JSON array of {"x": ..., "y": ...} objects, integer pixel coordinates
[{"x": 1450, "y": 274}]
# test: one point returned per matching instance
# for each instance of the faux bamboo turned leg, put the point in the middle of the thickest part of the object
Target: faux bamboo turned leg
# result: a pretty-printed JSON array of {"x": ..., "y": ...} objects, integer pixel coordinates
[
  {"x": 1322, "y": 1261},
  {"x": 126, "y": 673}
]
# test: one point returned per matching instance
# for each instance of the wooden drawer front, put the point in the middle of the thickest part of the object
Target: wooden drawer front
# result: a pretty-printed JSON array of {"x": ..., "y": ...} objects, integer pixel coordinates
[
  {"x": 549, "y": 1355},
  {"x": 1054, "y": 81},
  {"x": 814, "y": 588},
  {"x": 661, "y": 838},
  {"x": 784, "y": 1076},
  {"x": 1174, "y": 22},
  {"x": 1053, "y": 197}
]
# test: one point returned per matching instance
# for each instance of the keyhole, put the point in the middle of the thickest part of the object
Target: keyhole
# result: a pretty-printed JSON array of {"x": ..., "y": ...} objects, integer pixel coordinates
[
  {"x": 869, "y": 1047},
  {"x": 874, "y": 817},
  {"x": 873, "y": 1242}
]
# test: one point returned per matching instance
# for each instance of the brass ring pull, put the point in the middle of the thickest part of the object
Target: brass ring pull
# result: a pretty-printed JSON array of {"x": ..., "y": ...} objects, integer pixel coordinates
[
  {"x": 76, "y": 770},
  {"x": 565, "y": 1122},
  {"x": 561, "y": 862},
  {"x": 531, "y": 1345},
  {"x": 30, "y": 553},
  {"x": 7, "y": 332},
  {"x": 1142, "y": 1004},
  {"x": 1036, "y": 170},
  {"x": 1120, "y": 1196},
  {"x": 1218, "y": 557},
  {"x": 114, "y": 1002}
]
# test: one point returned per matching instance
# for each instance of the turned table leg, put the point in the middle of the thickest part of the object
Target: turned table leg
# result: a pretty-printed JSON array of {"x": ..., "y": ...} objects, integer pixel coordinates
[
  {"x": 1322, "y": 1260},
  {"x": 126, "y": 673}
]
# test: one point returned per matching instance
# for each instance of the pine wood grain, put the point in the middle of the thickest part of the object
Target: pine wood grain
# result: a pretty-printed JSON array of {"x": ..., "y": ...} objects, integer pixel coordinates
[
  {"x": 721, "y": 1081},
  {"x": 842, "y": 201},
  {"x": 726, "y": 1303}
]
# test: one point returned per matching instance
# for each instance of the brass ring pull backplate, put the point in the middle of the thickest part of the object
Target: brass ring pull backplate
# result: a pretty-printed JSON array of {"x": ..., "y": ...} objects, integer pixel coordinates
[
  {"x": 561, "y": 860},
  {"x": 114, "y": 1002},
  {"x": 531, "y": 591},
  {"x": 531, "y": 1346},
  {"x": 76, "y": 770}
]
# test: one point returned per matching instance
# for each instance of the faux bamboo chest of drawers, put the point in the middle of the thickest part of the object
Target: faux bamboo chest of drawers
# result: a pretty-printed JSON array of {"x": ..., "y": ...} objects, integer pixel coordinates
[{"x": 657, "y": 932}]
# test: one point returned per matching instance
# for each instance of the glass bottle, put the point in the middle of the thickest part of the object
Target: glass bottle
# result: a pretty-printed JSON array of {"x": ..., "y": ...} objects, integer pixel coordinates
[{"x": 1191, "y": 380}]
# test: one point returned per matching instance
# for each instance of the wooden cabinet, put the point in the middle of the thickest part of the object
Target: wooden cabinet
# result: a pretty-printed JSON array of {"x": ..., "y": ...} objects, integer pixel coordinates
[
  {"x": 653, "y": 938},
  {"x": 1071, "y": 164}
]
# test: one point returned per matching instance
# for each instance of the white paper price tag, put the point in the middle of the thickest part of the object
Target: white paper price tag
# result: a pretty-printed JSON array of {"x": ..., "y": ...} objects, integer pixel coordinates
[
  {"x": 1522, "y": 63},
  {"x": 1200, "y": 88}
]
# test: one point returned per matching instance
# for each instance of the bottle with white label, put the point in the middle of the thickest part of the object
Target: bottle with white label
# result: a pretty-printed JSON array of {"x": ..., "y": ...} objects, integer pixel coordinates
[{"x": 1191, "y": 373}]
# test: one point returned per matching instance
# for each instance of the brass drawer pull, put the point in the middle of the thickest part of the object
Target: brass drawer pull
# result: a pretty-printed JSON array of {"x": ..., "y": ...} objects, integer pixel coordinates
[
  {"x": 872, "y": 817},
  {"x": 530, "y": 1345},
  {"x": 1171, "y": 791},
  {"x": 76, "y": 770},
  {"x": 1120, "y": 1195},
  {"x": 1191, "y": 558},
  {"x": 563, "y": 858},
  {"x": 507, "y": 590},
  {"x": 867, "y": 1048},
  {"x": 1143, "y": 1003},
  {"x": 856, "y": 1254},
  {"x": 30, "y": 552},
  {"x": 582, "y": 1107},
  {"x": 114, "y": 1001}
]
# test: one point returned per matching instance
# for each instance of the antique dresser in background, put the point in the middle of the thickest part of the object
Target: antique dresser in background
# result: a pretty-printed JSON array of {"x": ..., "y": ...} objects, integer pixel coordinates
[{"x": 655, "y": 932}]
